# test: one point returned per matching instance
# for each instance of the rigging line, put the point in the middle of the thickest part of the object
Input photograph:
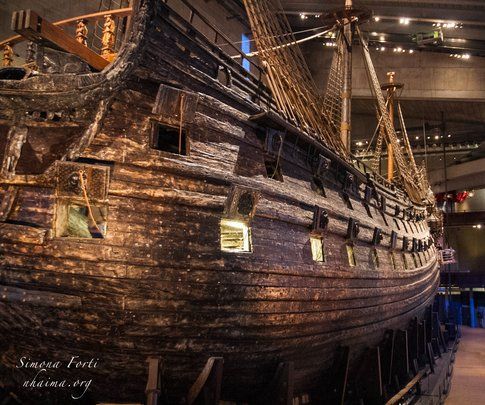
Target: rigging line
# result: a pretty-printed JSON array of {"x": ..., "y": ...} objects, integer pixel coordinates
[
  {"x": 285, "y": 34},
  {"x": 182, "y": 107},
  {"x": 285, "y": 45},
  {"x": 82, "y": 173},
  {"x": 375, "y": 132},
  {"x": 425, "y": 146}
]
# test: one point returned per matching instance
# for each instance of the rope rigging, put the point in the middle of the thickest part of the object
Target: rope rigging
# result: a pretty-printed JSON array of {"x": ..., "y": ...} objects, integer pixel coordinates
[
  {"x": 288, "y": 75},
  {"x": 322, "y": 117}
]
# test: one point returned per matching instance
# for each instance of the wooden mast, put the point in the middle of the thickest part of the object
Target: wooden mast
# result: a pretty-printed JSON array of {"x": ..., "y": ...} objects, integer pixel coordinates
[
  {"x": 347, "y": 82},
  {"x": 390, "y": 152}
]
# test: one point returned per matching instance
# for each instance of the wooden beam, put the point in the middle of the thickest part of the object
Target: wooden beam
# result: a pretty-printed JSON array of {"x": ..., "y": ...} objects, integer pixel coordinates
[
  {"x": 152, "y": 390},
  {"x": 122, "y": 12},
  {"x": 207, "y": 387},
  {"x": 396, "y": 398},
  {"x": 35, "y": 28}
]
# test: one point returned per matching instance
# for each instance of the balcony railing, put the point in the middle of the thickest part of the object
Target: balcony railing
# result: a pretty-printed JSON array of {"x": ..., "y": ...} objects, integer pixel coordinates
[{"x": 95, "y": 38}]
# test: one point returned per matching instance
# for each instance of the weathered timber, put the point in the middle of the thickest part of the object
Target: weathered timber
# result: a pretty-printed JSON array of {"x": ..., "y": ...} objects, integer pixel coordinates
[
  {"x": 158, "y": 285},
  {"x": 37, "y": 29},
  {"x": 206, "y": 389}
]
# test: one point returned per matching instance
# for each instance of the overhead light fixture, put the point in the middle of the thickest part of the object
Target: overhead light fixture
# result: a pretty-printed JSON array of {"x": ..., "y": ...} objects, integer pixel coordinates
[
  {"x": 374, "y": 33},
  {"x": 436, "y": 137},
  {"x": 411, "y": 51},
  {"x": 382, "y": 49},
  {"x": 377, "y": 19},
  {"x": 303, "y": 16},
  {"x": 404, "y": 21},
  {"x": 466, "y": 56},
  {"x": 417, "y": 137},
  {"x": 479, "y": 226}
]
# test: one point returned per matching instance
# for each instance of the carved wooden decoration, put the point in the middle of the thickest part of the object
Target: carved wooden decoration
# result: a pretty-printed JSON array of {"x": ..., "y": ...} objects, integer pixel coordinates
[
  {"x": 241, "y": 203},
  {"x": 82, "y": 32},
  {"x": 7, "y": 55},
  {"x": 109, "y": 37}
]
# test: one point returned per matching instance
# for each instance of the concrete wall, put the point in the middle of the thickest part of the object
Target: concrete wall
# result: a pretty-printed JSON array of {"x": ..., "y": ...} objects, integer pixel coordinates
[{"x": 426, "y": 75}]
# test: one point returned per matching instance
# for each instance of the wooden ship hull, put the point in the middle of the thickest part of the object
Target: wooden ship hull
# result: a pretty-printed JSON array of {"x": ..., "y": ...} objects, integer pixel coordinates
[{"x": 158, "y": 283}]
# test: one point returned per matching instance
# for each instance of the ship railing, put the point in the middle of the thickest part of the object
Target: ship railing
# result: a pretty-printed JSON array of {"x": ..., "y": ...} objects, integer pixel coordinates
[
  {"x": 95, "y": 38},
  {"x": 251, "y": 81},
  {"x": 376, "y": 177}
]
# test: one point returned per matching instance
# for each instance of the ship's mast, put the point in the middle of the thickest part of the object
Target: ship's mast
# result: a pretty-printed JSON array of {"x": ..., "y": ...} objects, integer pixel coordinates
[
  {"x": 347, "y": 83},
  {"x": 390, "y": 151},
  {"x": 391, "y": 88}
]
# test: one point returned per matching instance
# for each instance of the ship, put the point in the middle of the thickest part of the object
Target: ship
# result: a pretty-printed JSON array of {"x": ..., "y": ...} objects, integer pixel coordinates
[{"x": 169, "y": 196}]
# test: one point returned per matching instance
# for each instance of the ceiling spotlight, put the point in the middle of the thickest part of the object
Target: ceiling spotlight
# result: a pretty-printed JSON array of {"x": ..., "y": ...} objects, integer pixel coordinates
[
  {"x": 466, "y": 56},
  {"x": 479, "y": 226},
  {"x": 303, "y": 16},
  {"x": 471, "y": 194},
  {"x": 404, "y": 21},
  {"x": 374, "y": 33},
  {"x": 317, "y": 15},
  {"x": 437, "y": 137},
  {"x": 417, "y": 137},
  {"x": 382, "y": 49},
  {"x": 449, "y": 135},
  {"x": 377, "y": 19},
  {"x": 399, "y": 49},
  {"x": 411, "y": 51}
]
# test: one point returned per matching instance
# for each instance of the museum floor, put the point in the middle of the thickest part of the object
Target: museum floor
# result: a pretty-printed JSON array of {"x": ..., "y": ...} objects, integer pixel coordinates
[{"x": 468, "y": 384}]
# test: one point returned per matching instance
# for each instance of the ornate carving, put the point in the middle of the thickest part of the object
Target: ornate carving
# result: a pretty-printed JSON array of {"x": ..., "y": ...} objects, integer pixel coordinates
[
  {"x": 82, "y": 32},
  {"x": 7, "y": 55},
  {"x": 109, "y": 37}
]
